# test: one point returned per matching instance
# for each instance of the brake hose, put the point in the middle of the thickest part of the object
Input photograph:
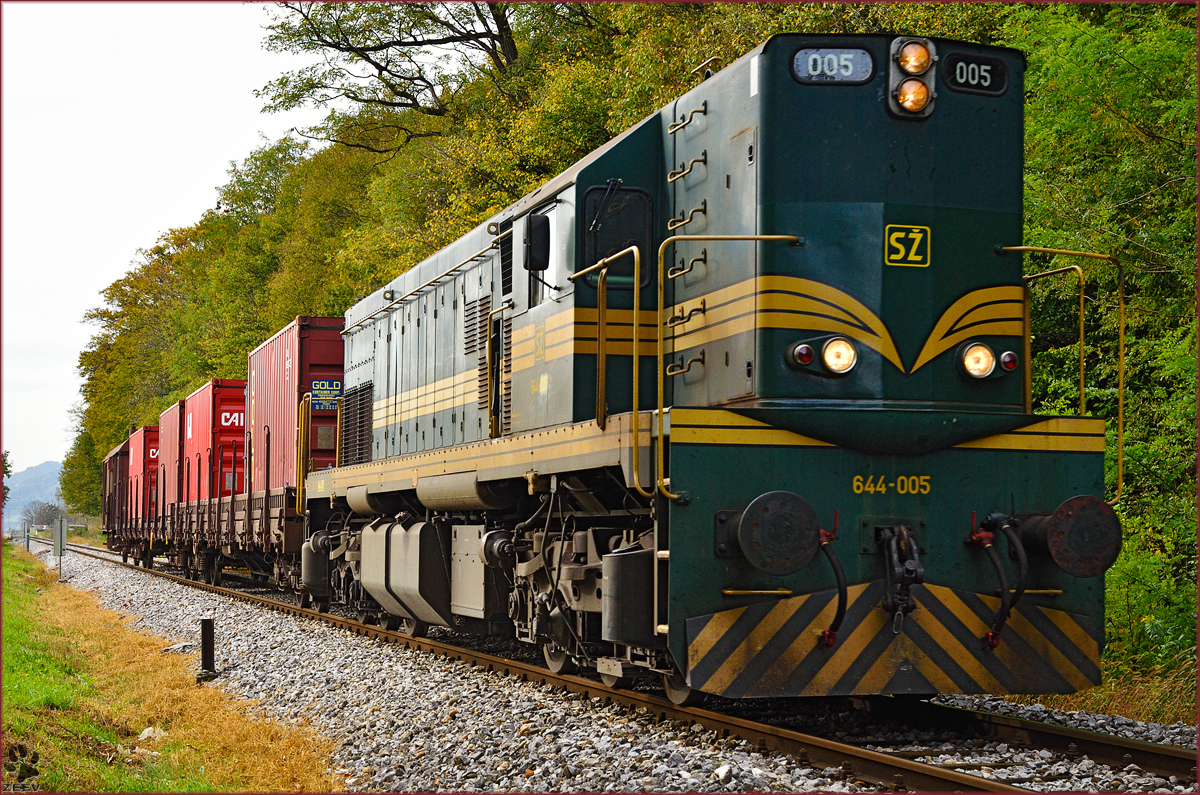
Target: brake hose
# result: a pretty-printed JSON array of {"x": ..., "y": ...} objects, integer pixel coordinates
[
  {"x": 1014, "y": 541},
  {"x": 991, "y": 638},
  {"x": 829, "y": 636}
]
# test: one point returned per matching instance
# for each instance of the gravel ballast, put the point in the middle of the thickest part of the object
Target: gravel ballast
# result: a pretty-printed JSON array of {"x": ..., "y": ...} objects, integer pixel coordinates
[{"x": 407, "y": 720}]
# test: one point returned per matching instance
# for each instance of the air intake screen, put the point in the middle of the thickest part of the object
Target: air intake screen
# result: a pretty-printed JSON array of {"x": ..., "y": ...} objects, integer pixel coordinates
[{"x": 358, "y": 410}]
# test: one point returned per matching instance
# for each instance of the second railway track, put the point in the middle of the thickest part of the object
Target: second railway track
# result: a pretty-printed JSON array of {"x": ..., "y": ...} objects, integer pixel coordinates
[{"x": 889, "y": 770}]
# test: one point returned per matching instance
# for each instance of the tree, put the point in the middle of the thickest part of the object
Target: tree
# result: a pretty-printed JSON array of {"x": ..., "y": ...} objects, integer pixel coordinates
[
  {"x": 394, "y": 64},
  {"x": 7, "y": 469},
  {"x": 41, "y": 513}
]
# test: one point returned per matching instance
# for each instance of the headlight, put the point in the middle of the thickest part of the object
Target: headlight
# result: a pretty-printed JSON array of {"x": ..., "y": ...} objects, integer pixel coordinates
[
  {"x": 914, "y": 58},
  {"x": 912, "y": 95},
  {"x": 839, "y": 355},
  {"x": 978, "y": 360}
]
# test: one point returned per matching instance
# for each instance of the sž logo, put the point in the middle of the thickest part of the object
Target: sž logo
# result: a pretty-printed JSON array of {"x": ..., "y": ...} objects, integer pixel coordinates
[{"x": 233, "y": 418}]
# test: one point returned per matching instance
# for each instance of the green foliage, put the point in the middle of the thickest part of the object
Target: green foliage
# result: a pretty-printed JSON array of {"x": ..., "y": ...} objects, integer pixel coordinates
[{"x": 430, "y": 141}]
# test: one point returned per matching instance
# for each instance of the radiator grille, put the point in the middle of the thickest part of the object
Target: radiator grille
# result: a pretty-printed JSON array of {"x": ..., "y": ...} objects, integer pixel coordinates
[
  {"x": 475, "y": 342},
  {"x": 358, "y": 410},
  {"x": 506, "y": 383}
]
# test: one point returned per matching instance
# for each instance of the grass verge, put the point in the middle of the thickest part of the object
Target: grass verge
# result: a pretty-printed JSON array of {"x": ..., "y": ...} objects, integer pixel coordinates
[
  {"x": 78, "y": 683},
  {"x": 1165, "y": 695}
]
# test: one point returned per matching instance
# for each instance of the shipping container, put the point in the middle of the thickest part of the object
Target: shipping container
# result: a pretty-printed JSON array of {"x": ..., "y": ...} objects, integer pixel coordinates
[
  {"x": 170, "y": 457},
  {"x": 143, "y": 472},
  {"x": 115, "y": 489},
  {"x": 305, "y": 357},
  {"x": 214, "y": 430}
]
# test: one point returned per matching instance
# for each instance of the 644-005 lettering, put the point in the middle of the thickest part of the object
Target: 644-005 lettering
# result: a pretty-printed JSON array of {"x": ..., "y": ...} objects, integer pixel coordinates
[{"x": 901, "y": 484}]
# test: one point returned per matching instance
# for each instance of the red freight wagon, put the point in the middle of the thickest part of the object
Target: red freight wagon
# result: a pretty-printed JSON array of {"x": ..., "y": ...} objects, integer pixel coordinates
[
  {"x": 116, "y": 477},
  {"x": 143, "y": 474},
  {"x": 303, "y": 357},
  {"x": 170, "y": 457},
  {"x": 214, "y": 429}
]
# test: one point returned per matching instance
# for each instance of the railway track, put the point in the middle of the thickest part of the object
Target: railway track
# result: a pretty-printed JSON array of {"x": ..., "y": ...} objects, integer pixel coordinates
[{"x": 857, "y": 763}]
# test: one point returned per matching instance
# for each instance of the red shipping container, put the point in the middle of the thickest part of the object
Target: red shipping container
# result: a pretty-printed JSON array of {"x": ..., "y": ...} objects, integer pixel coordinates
[
  {"x": 170, "y": 456},
  {"x": 304, "y": 356},
  {"x": 143, "y": 471},
  {"x": 214, "y": 426}
]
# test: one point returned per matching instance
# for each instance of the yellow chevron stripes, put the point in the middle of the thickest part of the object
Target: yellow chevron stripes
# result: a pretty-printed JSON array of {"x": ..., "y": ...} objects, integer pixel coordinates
[
  {"x": 772, "y": 648},
  {"x": 789, "y": 302},
  {"x": 992, "y": 310}
]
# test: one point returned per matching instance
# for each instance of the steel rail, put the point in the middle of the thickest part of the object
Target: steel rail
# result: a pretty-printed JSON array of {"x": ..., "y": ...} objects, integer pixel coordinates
[{"x": 877, "y": 767}]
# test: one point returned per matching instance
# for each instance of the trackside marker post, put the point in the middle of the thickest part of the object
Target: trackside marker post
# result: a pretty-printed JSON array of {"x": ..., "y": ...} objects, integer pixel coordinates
[
  {"x": 58, "y": 545},
  {"x": 208, "y": 657}
]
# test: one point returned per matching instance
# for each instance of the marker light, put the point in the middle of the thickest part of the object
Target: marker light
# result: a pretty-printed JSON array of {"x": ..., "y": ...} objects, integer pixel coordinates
[
  {"x": 912, "y": 95},
  {"x": 914, "y": 58},
  {"x": 1008, "y": 361},
  {"x": 803, "y": 354},
  {"x": 839, "y": 355},
  {"x": 978, "y": 360}
]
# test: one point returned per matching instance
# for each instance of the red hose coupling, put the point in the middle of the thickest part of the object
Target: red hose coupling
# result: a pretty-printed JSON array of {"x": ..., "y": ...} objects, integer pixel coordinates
[
  {"x": 826, "y": 537},
  {"x": 991, "y": 640},
  {"x": 982, "y": 537},
  {"x": 828, "y": 638}
]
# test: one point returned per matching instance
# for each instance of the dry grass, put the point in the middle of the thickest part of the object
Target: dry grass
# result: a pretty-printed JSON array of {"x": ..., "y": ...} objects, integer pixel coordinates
[
  {"x": 135, "y": 686},
  {"x": 1164, "y": 696}
]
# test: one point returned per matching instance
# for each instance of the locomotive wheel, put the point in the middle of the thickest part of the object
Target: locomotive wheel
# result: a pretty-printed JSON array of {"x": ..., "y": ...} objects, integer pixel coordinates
[
  {"x": 412, "y": 627},
  {"x": 124, "y": 555},
  {"x": 557, "y": 659},
  {"x": 616, "y": 682},
  {"x": 390, "y": 623},
  {"x": 679, "y": 692},
  {"x": 214, "y": 575},
  {"x": 366, "y": 617}
]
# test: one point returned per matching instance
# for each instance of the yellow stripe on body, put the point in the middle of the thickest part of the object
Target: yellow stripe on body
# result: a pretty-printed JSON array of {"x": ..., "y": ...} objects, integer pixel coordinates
[
  {"x": 847, "y": 651},
  {"x": 1064, "y": 434},
  {"x": 535, "y": 449},
  {"x": 743, "y": 436},
  {"x": 954, "y": 646},
  {"x": 752, "y": 644},
  {"x": 1082, "y": 640},
  {"x": 804, "y": 644},
  {"x": 1004, "y": 653},
  {"x": 1049, "y": 652},
  {"x": 713, "y": 631},
  {"x": 690, "y": 426}
]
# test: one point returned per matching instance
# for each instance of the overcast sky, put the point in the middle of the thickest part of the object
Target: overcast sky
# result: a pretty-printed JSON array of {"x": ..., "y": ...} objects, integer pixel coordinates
[{"x": 119, "y": 123}]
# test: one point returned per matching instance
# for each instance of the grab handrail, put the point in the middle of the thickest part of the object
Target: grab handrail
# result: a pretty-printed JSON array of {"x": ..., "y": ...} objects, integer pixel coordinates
[
  {"x": 494, "y": 424},
  {"x": 602, "y": 341},
  {"x": 1120, "y": 341},
  {"x": 663, "y": 481}
]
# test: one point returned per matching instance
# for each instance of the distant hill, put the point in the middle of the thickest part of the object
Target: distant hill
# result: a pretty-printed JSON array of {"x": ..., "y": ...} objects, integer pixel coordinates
[{"x": 30, "y": 485}]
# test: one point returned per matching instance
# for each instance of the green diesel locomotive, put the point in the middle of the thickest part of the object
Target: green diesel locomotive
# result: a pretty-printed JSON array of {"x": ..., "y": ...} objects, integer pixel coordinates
[{"x": 740, "y": 400}]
